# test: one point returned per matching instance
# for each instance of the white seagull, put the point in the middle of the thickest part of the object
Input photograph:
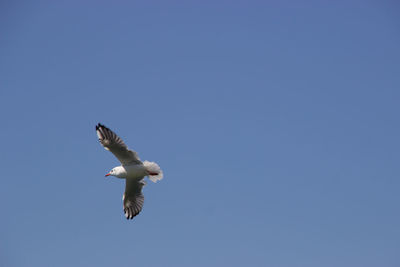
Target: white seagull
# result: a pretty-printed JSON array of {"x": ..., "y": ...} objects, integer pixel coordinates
[{"x": 132, "y": 169}]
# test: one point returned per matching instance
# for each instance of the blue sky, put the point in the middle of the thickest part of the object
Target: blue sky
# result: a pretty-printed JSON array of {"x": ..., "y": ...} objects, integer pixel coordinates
[{"x": 276, "y": 125}]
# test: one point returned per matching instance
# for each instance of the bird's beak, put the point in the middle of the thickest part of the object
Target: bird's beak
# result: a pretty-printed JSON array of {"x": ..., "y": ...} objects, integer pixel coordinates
[{"x": 108, "y": 174}]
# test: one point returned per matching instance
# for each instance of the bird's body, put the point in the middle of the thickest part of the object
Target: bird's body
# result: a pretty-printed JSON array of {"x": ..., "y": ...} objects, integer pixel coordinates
[
  {"x": 132, "y": 169},
  {"x": 136, "y": 171}
]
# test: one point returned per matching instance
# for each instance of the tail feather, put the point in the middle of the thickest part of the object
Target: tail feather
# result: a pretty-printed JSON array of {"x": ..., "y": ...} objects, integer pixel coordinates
[{"x": 155, "y": 171}]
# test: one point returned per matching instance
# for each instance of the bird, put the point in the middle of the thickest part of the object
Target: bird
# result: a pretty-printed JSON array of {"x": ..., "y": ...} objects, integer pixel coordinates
[{"x": 132, "y": 169}]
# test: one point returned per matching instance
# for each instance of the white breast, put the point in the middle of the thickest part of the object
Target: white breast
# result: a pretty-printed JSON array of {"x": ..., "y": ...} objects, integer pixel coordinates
[{"x": 135, "y": 171}]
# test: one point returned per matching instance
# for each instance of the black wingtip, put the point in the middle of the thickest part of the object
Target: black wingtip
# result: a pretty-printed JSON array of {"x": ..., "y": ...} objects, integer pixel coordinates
[{"x": 99, "y": 125}]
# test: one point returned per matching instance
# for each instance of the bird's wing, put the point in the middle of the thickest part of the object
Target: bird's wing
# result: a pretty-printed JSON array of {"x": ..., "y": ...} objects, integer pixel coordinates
[
  {"x": 114, "y": 143},
  {"x": 133, "y": 198}
]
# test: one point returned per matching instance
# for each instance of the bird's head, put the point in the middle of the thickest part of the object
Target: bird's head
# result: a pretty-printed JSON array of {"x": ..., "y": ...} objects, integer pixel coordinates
[{"x": 117, "y": 172}]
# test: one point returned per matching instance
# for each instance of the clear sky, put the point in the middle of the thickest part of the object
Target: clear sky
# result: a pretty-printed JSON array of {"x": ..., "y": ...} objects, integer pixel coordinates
[{"x": 276, "y": 124}]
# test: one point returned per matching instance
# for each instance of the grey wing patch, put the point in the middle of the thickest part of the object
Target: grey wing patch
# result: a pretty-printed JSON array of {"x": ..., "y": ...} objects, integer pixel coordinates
[
  {"x": 133, "y": 198},
  {"x": 112, "y": 142}
]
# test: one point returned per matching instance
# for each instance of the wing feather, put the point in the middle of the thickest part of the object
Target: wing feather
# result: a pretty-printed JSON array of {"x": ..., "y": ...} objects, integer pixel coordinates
[
  {"x": 116, "y": 145},
  {"x": 133, "y": 198}
]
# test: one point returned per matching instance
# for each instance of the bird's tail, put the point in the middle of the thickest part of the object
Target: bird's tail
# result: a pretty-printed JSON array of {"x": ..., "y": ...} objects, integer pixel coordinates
[{"x": 154, "y": 171}]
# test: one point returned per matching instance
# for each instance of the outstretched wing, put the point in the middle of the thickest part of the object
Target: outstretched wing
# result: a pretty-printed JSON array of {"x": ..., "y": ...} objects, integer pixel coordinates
[
  {"x": 114, "y": 143},
  {"x": 133, "y": 198}
]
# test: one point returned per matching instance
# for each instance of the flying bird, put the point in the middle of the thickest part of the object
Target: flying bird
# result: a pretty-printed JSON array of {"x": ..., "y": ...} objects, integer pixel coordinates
[{"x": 132, "y": 169}]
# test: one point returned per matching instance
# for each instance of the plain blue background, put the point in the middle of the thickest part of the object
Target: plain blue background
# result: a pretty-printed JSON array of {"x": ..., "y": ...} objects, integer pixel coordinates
[{"x": 276, "y": 124}]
